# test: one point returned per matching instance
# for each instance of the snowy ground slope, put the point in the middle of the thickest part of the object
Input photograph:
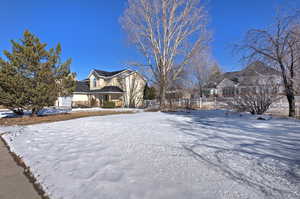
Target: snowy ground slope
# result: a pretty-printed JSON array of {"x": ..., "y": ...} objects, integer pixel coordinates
[{"x": 206, "y": 154}]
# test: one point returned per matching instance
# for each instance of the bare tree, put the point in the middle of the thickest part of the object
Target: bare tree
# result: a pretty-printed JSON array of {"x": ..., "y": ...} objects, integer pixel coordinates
[
  {"x": 257, "y": 99},
  {"x": 168, "y": 33},
  {"x": 203, "y": 67},
  {"x": 278, "y": 47}
]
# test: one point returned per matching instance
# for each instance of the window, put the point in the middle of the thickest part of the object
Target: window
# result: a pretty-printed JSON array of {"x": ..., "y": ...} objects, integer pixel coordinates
[
  {"x": 213, "y": 91},
  {"x": 94, "y": 82}
]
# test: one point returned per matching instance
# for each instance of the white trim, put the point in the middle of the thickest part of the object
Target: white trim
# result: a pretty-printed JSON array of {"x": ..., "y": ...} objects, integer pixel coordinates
[
  {"x": 104, "y": 77},
  {"x": 125, "y": 70},
  {"x": 91, "y": 72}
]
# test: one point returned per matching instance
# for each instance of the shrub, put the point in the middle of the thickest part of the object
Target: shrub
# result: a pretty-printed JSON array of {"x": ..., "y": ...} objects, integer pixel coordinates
[
  {"x": 81, "y": 105},
  {"x": 108, "y": 105},
  {"x": 94, "y": 102},
  {"x": 255, "y": 100}
]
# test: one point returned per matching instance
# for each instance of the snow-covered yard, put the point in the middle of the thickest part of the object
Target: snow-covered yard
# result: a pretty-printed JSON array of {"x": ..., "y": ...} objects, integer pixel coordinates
[
  {"x": 205, "y": 154},
  {"x": 106, "y": 109}
]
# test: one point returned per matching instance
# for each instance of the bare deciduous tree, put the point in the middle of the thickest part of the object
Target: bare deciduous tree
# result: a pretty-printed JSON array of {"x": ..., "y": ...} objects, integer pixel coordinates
[
  {"x": 256, "y": 100},
  {"x": 168, "y": 33},
  {"x": 278, "y": 47},
  {"x": 203, "y": 67}
]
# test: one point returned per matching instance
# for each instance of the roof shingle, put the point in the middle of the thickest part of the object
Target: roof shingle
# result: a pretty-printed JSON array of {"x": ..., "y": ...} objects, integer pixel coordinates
[
  {"x": 82, "y": 86},
  {"x": 108, "y": 74},
  {"x": 108, "y": 89}
]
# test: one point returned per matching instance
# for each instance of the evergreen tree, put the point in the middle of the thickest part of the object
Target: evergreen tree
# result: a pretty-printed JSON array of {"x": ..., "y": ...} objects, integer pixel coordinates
[
  {"x": 12, "y": 88},
  {"x": 149, "y": 93},
  {"x": 32, "y": 77}
]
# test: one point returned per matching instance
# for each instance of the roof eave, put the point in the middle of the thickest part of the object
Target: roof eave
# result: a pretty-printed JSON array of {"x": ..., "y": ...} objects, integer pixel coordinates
[
  {"x": 92, "y": 72},
  {"x": 106, "y": 77}
]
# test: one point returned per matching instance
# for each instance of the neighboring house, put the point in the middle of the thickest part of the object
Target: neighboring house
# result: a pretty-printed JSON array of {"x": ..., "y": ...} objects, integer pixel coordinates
[
  {"x": 232, "y": 83},
  {"x": 124, "y": 88}
]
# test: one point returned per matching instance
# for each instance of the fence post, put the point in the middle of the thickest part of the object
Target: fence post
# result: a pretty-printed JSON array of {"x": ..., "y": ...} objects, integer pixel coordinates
[
  {"x": 215, "y": 102},
  {"x": 200, "y": 102}
]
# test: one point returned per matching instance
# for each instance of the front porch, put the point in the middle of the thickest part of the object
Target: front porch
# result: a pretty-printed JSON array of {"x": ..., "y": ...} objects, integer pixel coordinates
[
  {"x": 85, "y": 98},
  {"x": 106, "y": 94},
  {"x": 102, "y": 98}
]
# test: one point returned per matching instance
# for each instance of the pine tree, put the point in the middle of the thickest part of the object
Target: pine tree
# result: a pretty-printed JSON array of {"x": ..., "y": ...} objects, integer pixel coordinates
[
  {"x": 149, "y": 93},
  {"x": 33, "y": 77},
  {"x": 12, "y": 88}
]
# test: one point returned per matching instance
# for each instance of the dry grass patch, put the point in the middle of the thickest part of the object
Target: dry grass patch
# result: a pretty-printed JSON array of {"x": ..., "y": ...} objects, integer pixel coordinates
[{"x": 27, "y": 120}]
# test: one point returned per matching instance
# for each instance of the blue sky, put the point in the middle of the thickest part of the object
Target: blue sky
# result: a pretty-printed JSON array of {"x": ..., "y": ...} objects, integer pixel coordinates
[{"x": 91, "y": 35}]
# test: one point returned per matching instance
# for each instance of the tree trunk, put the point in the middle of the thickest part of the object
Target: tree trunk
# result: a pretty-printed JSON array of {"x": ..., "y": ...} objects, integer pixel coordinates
[
  {"x": 162, "y": 96},
  {"x": 201, "y": 91},
  {"x": 34, "y": 112},
  {"x": 292, "y": 105}
]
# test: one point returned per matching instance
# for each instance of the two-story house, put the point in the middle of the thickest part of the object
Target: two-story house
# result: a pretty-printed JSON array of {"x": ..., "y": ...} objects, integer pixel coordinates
[{"x": 125, "y": 88}]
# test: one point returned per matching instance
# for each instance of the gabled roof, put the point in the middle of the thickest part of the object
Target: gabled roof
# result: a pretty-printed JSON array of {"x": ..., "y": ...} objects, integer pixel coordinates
[
  {"x": 245, "y": 76},
  {"x": 233, "y": 76},
  {"x": 258, "y": 68},
  {"x": 106, "y": 73}
]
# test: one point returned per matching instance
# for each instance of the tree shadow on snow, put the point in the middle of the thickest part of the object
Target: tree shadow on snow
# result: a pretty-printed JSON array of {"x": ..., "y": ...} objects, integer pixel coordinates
[{"x": 263, "y": 154}]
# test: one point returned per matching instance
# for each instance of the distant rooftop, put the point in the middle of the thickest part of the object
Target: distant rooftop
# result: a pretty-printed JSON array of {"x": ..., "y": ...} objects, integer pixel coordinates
[{"x": 253, "y": 69}]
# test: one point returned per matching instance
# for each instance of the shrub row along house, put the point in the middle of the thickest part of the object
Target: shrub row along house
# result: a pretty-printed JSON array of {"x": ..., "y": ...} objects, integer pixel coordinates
[
  {"x": 231, "y": 84},
  {"x": 122, "y": 88}
]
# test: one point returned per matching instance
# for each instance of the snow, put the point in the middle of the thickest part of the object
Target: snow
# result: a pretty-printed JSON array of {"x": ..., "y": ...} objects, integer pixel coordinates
[
  {"x": 198, "y": 154},
  {"x": 8, "y": 113},
  {"x": 106, "y": 109},
  {"x": 53, "y": 111},
  {"x": 4, "y": 113}
]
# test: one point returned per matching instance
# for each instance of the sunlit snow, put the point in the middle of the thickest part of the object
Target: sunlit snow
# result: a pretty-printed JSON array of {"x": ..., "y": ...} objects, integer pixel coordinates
[{"x": 201, "y": 154}]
